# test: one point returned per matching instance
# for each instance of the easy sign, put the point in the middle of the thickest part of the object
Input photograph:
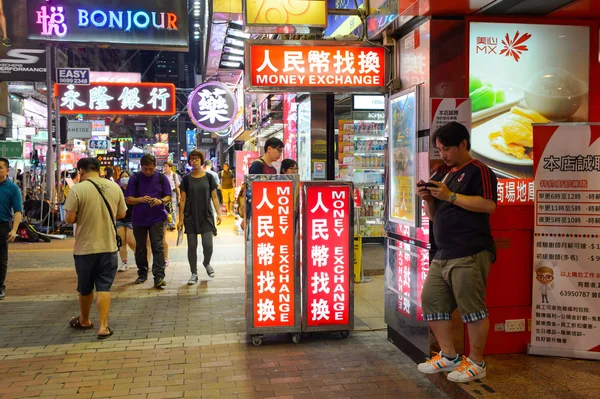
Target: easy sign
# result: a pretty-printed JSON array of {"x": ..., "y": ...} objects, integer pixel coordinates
[{"x": 73, "y": 76}]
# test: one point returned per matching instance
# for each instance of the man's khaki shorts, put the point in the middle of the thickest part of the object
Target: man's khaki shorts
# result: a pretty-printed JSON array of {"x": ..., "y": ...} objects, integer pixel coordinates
[{"x": 456, "y": 283}]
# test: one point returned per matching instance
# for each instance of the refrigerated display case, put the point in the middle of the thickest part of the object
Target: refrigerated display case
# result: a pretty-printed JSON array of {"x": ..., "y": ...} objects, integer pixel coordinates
[{"x": 361, "y": 159}]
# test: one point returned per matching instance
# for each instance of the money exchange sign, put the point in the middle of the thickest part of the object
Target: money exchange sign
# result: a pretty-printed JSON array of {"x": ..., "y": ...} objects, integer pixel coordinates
[
  {"x": 306, "y": 66},
  {"x": 273, "y": 253},
  {"x": 327, "y": 255}
]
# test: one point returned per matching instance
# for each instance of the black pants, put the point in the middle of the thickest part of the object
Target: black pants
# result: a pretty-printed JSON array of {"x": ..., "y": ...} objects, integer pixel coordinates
[
  {"x": 4, "y": 229},
  {"x": 157, "y": 235},
  {"x": 207, "y": 249}
]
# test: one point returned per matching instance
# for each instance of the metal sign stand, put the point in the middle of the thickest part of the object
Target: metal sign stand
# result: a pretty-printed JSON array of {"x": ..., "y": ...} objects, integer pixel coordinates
[{"x": 257, "y": 332}]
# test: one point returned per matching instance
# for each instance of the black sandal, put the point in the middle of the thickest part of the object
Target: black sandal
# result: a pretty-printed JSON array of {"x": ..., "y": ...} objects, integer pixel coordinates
[
  {"x": 110, "y": 333},
  {"x": 76, "y": 324}
]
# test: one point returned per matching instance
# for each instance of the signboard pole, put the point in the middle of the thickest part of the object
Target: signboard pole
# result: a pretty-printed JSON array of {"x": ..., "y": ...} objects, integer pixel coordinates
[
  {"x": 57, "y": 124},
  {"x": 50, "y": 103}
]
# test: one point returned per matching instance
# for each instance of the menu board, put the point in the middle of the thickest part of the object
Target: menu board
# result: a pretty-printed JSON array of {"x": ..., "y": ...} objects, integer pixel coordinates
[
  {"x": 520, "y": 74},
  {"x": 566, "y": 271},
  {"x": 403, "y": 160}
]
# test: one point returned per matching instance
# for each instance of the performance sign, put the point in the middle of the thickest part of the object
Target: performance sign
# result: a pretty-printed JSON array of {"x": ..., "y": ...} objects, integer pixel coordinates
[
  {"x": 314, "y": 66},
  {"x": 566, "y": 271},
  {"x": 327, "y": 256},
  {"x": 265, "y": 13},
  {"x": 22, "y": 64},
  {"x": 273, "y": 253},
  {"x": 153, "y": 99},
  {"x": 157, "y": 24}
]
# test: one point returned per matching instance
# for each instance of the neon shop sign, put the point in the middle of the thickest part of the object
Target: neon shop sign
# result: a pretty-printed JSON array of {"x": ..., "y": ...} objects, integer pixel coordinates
[
  {"x": 52, "y": 20},
  {"x": 125, "y": 22}
]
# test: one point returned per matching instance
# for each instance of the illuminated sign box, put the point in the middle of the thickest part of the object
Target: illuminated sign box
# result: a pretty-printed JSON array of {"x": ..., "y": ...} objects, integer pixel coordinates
[
  {"x": 126, "y": 23},
  {"x": 327, "y": 256},
  {"x": 272, "y": 255},
  {"x": 325, "y": 66},
  {"x": 156, "y": 99},
  {"x": 117, "y": 77},
  {"x": 368, "y": 102},
  {"x": 269, "y": 13}
]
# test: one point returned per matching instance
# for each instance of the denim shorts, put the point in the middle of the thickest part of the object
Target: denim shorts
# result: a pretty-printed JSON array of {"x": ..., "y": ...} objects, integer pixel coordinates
[
  {"x": 127, "y": 225},
  {"x": 96, "y": 270}
]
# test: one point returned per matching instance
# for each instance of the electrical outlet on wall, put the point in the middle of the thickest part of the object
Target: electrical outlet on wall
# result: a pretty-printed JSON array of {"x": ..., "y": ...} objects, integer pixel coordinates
[
  {"x": 528, "y": 324},
  {"x": 499, "y": 327},
  {"x": 517, "y": 325}
]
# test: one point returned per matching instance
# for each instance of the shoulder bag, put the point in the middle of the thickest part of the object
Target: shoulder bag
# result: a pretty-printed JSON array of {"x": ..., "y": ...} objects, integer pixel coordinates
[{"x": 112, "y": 219}]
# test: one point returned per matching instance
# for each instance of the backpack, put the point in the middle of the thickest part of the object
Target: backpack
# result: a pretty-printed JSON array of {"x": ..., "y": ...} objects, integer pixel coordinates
[{"x": 136, "y": 182}]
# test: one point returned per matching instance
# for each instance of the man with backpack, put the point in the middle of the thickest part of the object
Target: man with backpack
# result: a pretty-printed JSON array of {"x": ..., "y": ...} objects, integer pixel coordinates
[{"x": 149, "y": 191}]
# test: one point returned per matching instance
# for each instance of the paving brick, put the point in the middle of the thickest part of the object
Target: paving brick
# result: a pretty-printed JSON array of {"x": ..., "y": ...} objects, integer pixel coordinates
[{"x": 180, "y": 342}]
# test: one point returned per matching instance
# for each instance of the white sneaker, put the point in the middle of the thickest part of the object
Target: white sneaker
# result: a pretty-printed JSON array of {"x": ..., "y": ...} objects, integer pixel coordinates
[
  {"x": 123, "y": 267},
  {"x": 438, "y": 364},
  {"x": 468, "y": 371}
]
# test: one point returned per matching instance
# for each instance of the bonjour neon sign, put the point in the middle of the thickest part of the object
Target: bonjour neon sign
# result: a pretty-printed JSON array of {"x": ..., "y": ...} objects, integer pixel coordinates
[
  {"x": 125, "y": 20},
  {"x": 53, "y": 20}
]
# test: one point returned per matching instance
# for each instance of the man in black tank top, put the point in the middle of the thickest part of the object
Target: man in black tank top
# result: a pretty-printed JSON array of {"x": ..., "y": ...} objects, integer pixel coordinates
[
  {"x": 459, "y": 199},
  {"x": 264, "y": 165}
]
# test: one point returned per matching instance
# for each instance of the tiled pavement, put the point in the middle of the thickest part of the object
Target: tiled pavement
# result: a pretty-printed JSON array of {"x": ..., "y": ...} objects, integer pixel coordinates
[{"x": 183, "y": 341}]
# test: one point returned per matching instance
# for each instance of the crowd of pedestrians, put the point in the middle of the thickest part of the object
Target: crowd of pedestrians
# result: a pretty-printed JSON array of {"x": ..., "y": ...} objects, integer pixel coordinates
[{"x": 120, "y": 210}]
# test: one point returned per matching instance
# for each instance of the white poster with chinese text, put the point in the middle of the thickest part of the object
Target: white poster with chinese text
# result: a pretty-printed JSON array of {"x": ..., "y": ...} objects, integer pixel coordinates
[
  {"x": 566, "y": 268},
  {"x": 446, "y": 110}
]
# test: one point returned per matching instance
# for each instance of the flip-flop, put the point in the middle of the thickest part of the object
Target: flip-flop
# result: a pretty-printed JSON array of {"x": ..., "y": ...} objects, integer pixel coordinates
[
  {"x": 110, "y": 333},
  {"x": 76, "y": 324}
]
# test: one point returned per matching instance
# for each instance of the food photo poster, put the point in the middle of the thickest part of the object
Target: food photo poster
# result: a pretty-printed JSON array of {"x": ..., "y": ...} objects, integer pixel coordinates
[{"x": 520, "y": 74}]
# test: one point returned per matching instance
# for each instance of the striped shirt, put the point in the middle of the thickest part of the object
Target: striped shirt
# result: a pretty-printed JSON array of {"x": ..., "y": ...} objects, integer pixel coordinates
[{"x": 458, "y": 232}]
